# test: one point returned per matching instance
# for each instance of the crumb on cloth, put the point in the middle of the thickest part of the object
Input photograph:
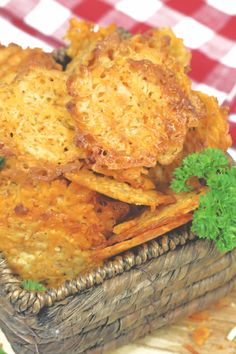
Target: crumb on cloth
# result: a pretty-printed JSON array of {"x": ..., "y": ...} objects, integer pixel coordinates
[{"x": 200, "y": 335}]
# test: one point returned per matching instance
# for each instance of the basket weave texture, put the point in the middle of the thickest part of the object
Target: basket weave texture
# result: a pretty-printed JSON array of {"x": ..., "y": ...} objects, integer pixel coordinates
[{"x": 154, "y": 285}]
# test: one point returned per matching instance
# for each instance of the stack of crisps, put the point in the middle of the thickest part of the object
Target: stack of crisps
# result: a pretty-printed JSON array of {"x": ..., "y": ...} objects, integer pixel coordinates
[{"x": 88, "y": 150}]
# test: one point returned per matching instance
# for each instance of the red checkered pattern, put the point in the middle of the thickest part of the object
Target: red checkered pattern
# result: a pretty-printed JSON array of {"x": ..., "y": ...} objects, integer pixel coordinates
[{"x": 207, "y": 27}]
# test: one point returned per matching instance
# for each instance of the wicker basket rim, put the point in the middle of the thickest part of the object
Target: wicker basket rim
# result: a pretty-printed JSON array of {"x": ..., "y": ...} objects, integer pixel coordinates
[{"x": 31, "y": 302}]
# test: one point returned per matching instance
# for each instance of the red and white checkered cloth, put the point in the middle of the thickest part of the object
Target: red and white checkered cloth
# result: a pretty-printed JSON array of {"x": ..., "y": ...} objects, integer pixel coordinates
[{"x": 207, "y": 27}]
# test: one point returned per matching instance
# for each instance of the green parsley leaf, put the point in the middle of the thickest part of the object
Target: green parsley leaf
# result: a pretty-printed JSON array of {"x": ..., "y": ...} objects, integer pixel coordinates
[
  {"x": 200, "y": 164},
  {"x": 215, "y": 218},
  {"x": 2, "y": 164},
  {"x": 2, "y": 351},
  {"x": 32, "y": 285}
]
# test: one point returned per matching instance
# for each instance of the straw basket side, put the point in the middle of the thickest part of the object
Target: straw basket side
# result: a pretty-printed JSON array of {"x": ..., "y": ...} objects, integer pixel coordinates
[{"x": 126, "y": 306}]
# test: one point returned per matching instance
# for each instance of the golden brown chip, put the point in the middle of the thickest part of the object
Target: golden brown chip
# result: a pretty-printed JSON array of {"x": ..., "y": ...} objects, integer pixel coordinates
[
  {"x": 165, "y": 42},
  {"x": 132, "y": 105},
  {"x": 83, "y": 37},
  {"x": 14, "y": 60},
  {"x": 212, "y": 131},
  {"x": 139, "y": 239},
  {"x": 45, "y": 226},
  {"x": 213, "y": 128},
  {"x": 118, "y": 190},
  {"x": 137, "y": 177},
  {"x": 149, "y": 220},
  {"x": 35, "y": 125}
]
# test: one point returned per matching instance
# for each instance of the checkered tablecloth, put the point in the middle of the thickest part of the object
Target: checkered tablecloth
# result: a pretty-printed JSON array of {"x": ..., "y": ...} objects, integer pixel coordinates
[{"x": 207, "y": 27}]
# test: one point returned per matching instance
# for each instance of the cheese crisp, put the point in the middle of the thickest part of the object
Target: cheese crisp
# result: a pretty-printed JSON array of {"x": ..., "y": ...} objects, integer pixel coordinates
[
  {"x": 132, "y": 104},
  {"x": 35, "y": 125},
  {"x": 47, "y": 225}
]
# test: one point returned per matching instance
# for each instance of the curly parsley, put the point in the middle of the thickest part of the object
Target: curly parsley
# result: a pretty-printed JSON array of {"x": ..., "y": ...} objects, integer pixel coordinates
[
  {"x": 215, "y": 218},
  {"x": 202, "y": 165}
]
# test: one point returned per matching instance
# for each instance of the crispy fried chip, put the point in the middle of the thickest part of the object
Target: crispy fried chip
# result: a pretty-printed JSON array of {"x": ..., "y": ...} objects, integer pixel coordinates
[
  {"x": 165, "y": 42},
  {"x": 149, "y": 220},
  {"x": 118, "y": 190},
  {"x": 83, "y": 37},
  {"x": 14, "y": 60},
  {"x": 137, "y": 177},
  {"x": 212, "y": 131},
  {"x": 35, "y": 125},
  {"x": 132, "y": 104},
  {"x": 213, "y": 128},
  {"x": 139, "y": 239},
  {"x": 45, "y": 226}
]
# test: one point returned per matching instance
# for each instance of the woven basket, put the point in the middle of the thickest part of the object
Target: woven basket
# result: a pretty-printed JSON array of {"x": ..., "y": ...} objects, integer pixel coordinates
[{"x": 131, "y": 295}]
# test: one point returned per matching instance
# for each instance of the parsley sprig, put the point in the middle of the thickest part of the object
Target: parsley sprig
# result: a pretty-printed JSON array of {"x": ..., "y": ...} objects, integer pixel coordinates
[
  {"x": 32, "y": 285},
  {"x": 215, "y": 218},
  {"x": 202, "y": 165}
]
